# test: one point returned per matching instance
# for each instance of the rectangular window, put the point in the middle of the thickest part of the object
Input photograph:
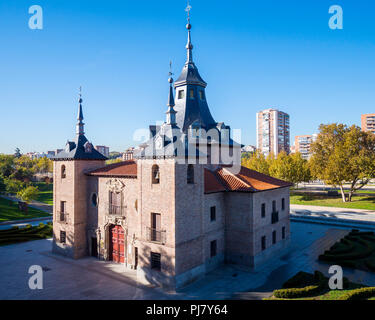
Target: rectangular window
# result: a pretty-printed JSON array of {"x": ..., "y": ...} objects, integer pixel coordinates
[
  {"x": 155, "y": 227},
  {"x": 213, "y": 213},
  {"x": 62, "y": 210},
  {"x": 62, "y": 237},
  {"x": 213, "y": 248},
  {"x": 155, "y": 261},
  {"x": 201, "y": 95},
  {"x": 263, "y": 243},
  {"x": 191, "y": 93},
  {"x": 273, "y": 206},
  {"x": 181, "y": 94},
  {"x": 274, "y": 237},
  {"x": 263, "y": 210},
  {"x": 283, "y": 232},
  {"x": 282, "y": 204},
  {"x": 62, "y": 206}
]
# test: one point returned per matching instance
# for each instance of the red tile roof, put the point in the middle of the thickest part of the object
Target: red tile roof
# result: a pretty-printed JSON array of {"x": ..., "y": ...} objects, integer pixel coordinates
[
  {"x": 119, "y": 169},
  {"x": 246, "y": 180}
]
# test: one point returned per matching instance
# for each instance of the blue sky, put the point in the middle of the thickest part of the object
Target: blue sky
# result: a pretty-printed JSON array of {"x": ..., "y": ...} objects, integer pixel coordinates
[{"x": 253, "y": 55}]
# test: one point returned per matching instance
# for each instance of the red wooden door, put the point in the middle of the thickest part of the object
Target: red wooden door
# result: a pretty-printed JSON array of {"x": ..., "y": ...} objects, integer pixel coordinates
[{"x": 117, "y": 245}]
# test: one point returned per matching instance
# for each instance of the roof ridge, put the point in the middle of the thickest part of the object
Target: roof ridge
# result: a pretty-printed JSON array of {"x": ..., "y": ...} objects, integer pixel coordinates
[
  {"x": 238, "y": 178},
  {"x": 217, "y": 178}
]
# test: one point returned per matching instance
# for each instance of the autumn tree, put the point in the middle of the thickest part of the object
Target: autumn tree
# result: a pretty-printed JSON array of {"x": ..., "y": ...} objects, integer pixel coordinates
[
  {"x": 292, "y": 168},
  {"x": 44, "y": 165},
  {"x": 343, "y": 154},
  {"x": 28, "y": 194},
  {"x": 257, "y": 162}
]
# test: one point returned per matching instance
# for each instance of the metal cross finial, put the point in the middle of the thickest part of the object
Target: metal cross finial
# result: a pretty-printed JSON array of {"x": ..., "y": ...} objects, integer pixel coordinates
[
  {"x": 188, "y": 8},
  {"x": 170, "y": 73},
  {"x": 80, "y": 90}
]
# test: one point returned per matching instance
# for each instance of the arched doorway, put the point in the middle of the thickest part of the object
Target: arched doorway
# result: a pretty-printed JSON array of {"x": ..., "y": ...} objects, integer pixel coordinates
[{"x": 116, "y": 244}]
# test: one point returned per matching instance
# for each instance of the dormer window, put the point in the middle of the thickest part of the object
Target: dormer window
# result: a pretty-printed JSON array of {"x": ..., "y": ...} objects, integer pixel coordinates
[
  {"x": 181, "y": 94},
  {"x": 191, "y": 93},
  {"x": 88, "y": 147}
]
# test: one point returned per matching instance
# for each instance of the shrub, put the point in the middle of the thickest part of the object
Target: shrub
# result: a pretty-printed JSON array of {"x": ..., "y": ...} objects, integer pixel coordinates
[
  {"x": 298, "y": 280},
  {"x": 293, "y": 293},
  {"x": 296, "y": 292},
  {"x": 358, "y": 294}
]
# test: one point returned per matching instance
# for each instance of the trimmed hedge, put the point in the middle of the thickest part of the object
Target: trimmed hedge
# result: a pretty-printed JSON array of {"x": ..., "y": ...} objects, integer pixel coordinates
[
  {"x": 28, "y": 233},
  {"x": 359, "y": 294},
  {"x": 293, "y": 293}
]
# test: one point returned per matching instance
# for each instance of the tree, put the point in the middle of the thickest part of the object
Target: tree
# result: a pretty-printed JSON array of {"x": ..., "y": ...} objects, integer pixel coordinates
[
  {"x": 6, "y": 165},
  {"x": 17, "y": 153},
  {"x": 28, "y": 194},
  {"x": 13, "y": 186},
  {"x": 257, "y": 162},
  {"x": 342, "y": 155},
  {"x": 44, "y": 165},
  {"x": 292, "y": 168}
]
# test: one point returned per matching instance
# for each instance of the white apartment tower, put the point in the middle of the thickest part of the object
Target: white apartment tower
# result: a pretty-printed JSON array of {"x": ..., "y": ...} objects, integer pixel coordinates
[{"x": 273, "y": 133}]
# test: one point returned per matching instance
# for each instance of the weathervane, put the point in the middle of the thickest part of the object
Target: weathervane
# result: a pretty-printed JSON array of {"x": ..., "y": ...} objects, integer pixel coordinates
[
  {"x": 170, "y": 73},
  {"x": 188, "y": 8}
]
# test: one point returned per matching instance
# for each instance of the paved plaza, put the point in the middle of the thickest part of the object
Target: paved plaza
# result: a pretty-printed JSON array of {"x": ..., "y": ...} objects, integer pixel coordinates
[{"x": 89, "y": 278}]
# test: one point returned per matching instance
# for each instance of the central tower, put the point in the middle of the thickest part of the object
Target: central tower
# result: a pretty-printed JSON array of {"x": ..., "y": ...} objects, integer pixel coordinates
[{"x": 191, "y": 104}]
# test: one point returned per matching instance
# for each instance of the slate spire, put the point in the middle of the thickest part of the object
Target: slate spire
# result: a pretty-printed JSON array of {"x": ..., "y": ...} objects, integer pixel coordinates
[
  {"x": 80, "y": 124},
  {"x": 171, "y": 113}
]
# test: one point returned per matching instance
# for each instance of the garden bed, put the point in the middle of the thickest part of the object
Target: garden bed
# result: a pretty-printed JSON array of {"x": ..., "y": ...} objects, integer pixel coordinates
[
  {"x": 28, "y": 233},
  {"x": 356, "y": 250}
]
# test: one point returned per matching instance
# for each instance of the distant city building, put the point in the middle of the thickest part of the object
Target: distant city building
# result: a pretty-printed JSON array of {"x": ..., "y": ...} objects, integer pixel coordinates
[
  {"x": 128, "y": 154},
  {"x": 302, "y": 144},
  {"x": 248, "y": 148},
  {"x": 38, "y": 155},
  {"x": 103, "y": 150},
  {"x": 368, "y": 122},
  {"x": 273, "y": 135}
]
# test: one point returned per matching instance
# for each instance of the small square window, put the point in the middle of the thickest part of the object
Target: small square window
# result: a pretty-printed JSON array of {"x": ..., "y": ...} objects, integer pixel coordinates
[
  {"x": 62, "y": 237},
  {"x": 283, "y": 232},
  {"x": 263, "y": 210},
  {"x": 181, "y": 94},
  {"x": 213, "y": 213},
  {"x": 213, "y": 248},
  {"x": 273, "y": 206},
  {"x": 155, "y": 261},
  {"x": 283, "y": 203},
  {"x": 263, "y": 243}
]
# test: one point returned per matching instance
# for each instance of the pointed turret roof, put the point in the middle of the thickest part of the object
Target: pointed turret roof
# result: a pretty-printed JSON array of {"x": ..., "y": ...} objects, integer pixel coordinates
[
  {"x": 80, "y": 148},
  {"x": 191, "y": 105}
]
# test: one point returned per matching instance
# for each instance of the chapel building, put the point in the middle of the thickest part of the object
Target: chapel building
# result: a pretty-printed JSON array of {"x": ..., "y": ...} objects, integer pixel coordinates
[{"x": 179, "y": 208}]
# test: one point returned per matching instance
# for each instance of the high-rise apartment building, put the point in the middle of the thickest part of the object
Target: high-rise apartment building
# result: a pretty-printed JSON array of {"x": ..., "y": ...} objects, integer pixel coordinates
[
  {"x": 368, "y": 122},
  {"x": 273, "y": 134},
  {"x": 302, "y": 144},
  {"x": 103, "y": 150}
]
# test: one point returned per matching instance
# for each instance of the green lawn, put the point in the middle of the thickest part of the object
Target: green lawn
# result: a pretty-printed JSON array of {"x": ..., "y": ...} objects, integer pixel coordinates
[
  {"x": 359, "y": 202},
  {"x": 45, "y": 192},
  {"x": 9, "y": 211}
]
